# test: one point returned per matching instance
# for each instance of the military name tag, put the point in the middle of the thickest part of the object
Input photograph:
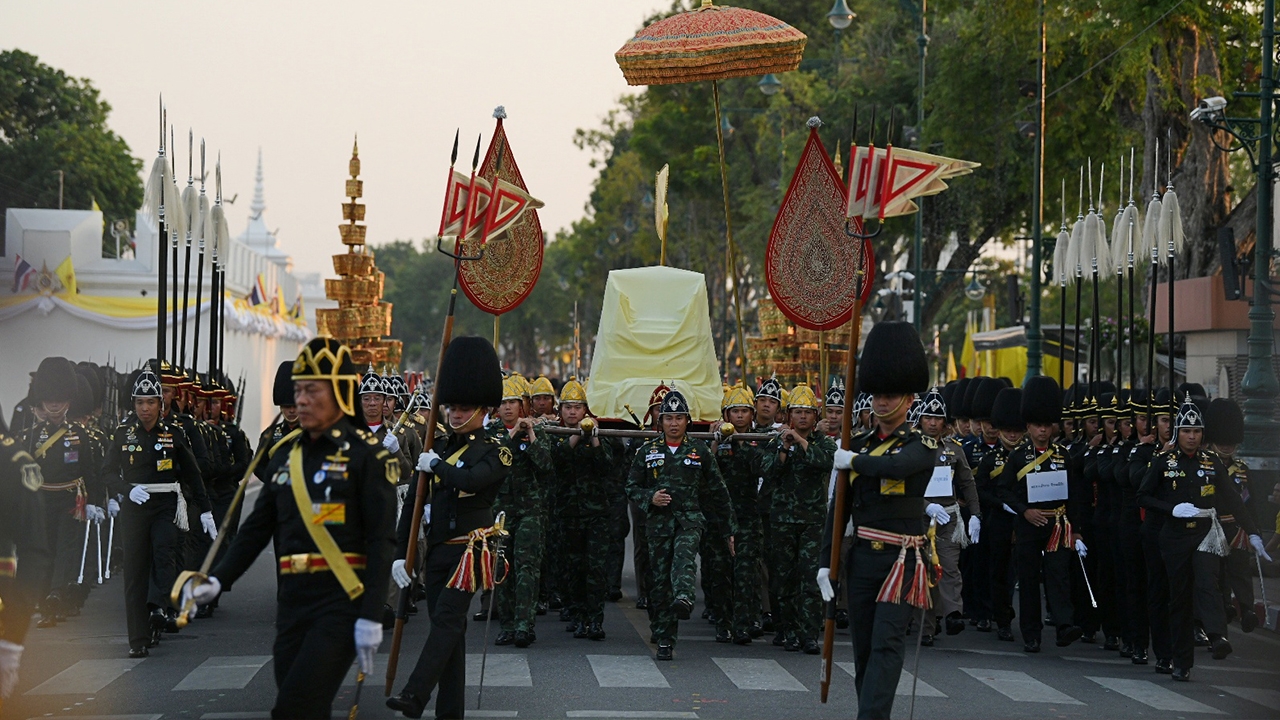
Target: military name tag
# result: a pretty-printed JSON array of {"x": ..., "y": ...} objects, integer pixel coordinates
[
  {"x": 329, "y": 513},
  {"x": 940, "y": 483},
  {"x": 893, "y": 487},
  {"x": 1047, "y": 486},
  {"x": 165, "y": 464}
]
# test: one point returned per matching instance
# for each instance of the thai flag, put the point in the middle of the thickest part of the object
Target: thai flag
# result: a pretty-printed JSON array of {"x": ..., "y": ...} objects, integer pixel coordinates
[
  {"x": 258, "y": 294},
  {"x": 22, "y": 274}
]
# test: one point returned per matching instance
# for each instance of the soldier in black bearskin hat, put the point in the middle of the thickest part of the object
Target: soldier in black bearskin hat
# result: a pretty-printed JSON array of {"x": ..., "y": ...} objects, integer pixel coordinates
[
  {"x": 465, "y": 473},
  {"x": 1158, "y": 437},
  {"x": 281, "y": 397},
  {"x": 890, "y": 467},
  {"x": 328, "y": 507},
  {"x": 1223, "y": 433},
  {"x": 996, "y": 438},
  {"x": 1194, "y": 488}
]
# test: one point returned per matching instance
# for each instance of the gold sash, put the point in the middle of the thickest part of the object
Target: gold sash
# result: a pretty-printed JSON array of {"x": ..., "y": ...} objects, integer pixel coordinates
[
  {"x": 1035, "y": 463},
  {"x": 44, "y": 447},
  {"x": 333, "y": 555}
]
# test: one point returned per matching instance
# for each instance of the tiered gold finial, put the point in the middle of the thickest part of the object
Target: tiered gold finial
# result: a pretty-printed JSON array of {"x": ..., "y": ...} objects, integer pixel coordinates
[{"x": 361, "y": 318}]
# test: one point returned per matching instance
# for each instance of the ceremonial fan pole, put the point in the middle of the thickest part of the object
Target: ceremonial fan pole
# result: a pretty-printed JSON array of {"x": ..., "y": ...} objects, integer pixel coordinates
[
  {"x": 728, "y": 231},
  {"x": 842, "y": 483},
  {"x": 420, "y": 497}
]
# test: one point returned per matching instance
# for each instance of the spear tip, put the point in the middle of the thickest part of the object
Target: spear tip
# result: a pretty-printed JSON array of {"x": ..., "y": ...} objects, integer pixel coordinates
[
  {"x": 475, "y": 159},
  {"x": 454, "y": 157}
]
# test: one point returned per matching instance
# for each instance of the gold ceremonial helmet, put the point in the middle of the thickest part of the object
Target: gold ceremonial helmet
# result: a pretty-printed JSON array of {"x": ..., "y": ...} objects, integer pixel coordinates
[
  {"x": 738, "y": 396},
  {"x": 541, "y": 386},
  {"x": 786, "y": 398},
  {"x": 512, "y": 388},
  {"x": 522, "y": 382},
  {"x": 802, "y": 396},
  {"x": 573, "y": 391},
  {"x": 328, "y": 359}
]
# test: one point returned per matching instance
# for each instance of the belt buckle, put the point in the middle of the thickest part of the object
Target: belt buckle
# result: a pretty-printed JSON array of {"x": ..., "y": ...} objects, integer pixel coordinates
[
  {"x": 877, "y": 545},
  {"x": 299, "y": 563}
]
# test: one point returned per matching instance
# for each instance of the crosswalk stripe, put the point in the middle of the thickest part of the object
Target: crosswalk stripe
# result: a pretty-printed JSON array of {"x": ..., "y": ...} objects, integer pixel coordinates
[
  {"x": 757, "y": 674},
  {"x": 923, "y": 689},
  {"x": 658, "y": 714},
  {"x": 1019, "y": 686},
  {"x": 500, "y": 670},
  {"x": 223, "y": 673},
  {"x": 626, "y": 671},
  {"x": 1153, "y": 695},
  {"x": 1262, "y": 696},
  {"x": 86, "y": 676}
]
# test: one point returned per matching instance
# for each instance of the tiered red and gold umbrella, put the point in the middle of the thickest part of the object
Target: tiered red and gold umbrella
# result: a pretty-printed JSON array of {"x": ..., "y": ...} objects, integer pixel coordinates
[{"x": 713, "y": 42}]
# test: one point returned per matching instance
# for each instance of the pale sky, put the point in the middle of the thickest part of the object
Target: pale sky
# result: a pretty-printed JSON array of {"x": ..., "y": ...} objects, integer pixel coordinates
[{"x": 299, "y": 79}]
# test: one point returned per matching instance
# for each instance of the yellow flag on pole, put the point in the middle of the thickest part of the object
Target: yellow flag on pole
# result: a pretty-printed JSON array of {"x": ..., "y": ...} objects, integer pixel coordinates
[{"x": 67, "y": 275}]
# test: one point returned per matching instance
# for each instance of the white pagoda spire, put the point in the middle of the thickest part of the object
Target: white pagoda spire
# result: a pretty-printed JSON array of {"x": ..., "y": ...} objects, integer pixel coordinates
[{"x": 256, "y": 236}]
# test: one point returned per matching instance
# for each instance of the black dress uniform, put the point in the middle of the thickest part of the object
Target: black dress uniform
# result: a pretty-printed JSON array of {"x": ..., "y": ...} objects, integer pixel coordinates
[
  {"x": 1044, "y": 550},
  {"x": 886, "y": 503},
  {"x": 1175, "y": 479},
  {"x": 464, "y": 485},
  {"x": 21, "y": 535},
  {"x": 161, "y": 460},
  {"x": 992, "y": 591},
  {"x": 350, "y": 495},
  {"x": 1157, "y": 580}
]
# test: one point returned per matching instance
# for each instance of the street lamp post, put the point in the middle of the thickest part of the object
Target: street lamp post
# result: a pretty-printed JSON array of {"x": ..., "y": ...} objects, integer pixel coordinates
[
  {"x": 917, "y": 310},
  {"x": 1259, "y": 384},
  {"x": 1034, "y": 335},
  {"x": 840, "y": 18}
]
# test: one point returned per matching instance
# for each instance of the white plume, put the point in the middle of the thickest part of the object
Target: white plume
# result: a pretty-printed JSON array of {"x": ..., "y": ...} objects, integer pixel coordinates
[
  {"x": 1102, "y": 250},
  {"x": 1088, "y": 251},
  {"x": 202, "y": 232},
  {"x": 1170, "y": 226},
  {"x": 190, "y": 212},
  {"x": 1126, "y": 223},
  {"x": 1060, "y": 270},
  {"x": 173, "y": 213},
  {"x": 1073, "y": 252},
  {"x": 153, "y": 195},
  {"x": 1150, "y": 230}
]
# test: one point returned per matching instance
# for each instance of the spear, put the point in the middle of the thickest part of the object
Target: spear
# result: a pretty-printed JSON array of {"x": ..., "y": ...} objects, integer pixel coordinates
[
  {"x": 1151, "y": 244},
  {"x": 191, "y": 209},
  {"x": 420, "y": 496},
  {"x": 154, "y": 205},
  {"x": 1060, "y": 248},
  {"x": 202, "y": 232},
  {"x": 1132, "y": 214},
  {"x": 175, "y": 234},
  {"x": 1073, "y": 255},
  {"x": 1171, "y": 232}
]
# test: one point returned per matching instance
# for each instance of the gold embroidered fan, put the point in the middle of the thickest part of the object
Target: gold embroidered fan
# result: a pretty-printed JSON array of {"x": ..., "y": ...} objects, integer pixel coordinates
[{"x": 810, "y": 262}]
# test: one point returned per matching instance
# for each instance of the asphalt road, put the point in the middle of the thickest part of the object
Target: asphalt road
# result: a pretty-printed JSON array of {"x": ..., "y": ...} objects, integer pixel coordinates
[{"x": 220, "y": 669}]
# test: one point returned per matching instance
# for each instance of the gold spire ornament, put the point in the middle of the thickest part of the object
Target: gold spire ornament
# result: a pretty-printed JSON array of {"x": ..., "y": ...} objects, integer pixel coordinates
[{"x": 361, "y": 318}]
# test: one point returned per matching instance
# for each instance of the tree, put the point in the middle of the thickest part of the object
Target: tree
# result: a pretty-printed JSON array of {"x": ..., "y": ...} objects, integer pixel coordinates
[{"x": 51, "y": 122}]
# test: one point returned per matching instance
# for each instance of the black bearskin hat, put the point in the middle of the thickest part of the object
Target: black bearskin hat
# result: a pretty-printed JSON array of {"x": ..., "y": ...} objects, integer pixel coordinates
[
  {"x": 893, "y": 361},
  {"x": 92, "y": 373},
  {"x": 1162, "y": 403},
  {"x": 1006, "y": 410},
  {"x": 1041, "y": 400},
  {"x": 282, "y": 388},
  {"x": 984, "y": 397},
  {"x": 1195, "y": 390},
  {"x": 82, "y": 403},
  {"x": 963, "y": 401},
  {"x": 470, "y": 374},
  {"x": 1223, "y": 422},
  {"x": 54, "y": 381}
]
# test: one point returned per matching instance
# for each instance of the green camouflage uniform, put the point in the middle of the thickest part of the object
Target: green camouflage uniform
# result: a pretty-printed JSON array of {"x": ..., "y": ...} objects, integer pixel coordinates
[
  {"x": 798, "y": 486},
  {"x": 739, "y": 463},
  {"x": 583, "y": 504},
  {"x": 520, "y": 496},
  {"x": 692, "y": 479}
]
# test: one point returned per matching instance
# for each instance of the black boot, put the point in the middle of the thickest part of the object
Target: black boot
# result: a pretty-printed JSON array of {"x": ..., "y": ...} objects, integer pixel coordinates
[
  {"x": 642, "y": 602},
  {"x": 955, "y": 623},
  {"x": 665, "y": 652},
  {"x": 523, "y": 639},
  {"x": 1221, "y": 647},
  {"x": 810, "y": 647},
  {"x": 842, "y": 619},
  {"x": 407, "y": 704},
  {"x": 724, "y": 636},
  {"x": 742, "y": 637},
  {"x": 682, "y": 608},
  {"x": 1068, "y": 634},
  {"x": 1182, "y": 674},
  {"x": 1164, "y": 667},
  {"x": 595, "y": 632},
  {"x": 1004, "y": 632},
  {"x": 506, "y": 637},
  {"x": 580, "y": 631},
  {"x": 1139, "y": 656}
]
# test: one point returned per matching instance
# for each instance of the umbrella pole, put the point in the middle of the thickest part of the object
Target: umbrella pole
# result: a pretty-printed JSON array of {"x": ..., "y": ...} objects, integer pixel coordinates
[{"x": 728, "y": 228}]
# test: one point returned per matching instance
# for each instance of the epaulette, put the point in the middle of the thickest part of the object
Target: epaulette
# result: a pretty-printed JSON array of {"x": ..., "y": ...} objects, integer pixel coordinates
[
  {"x": 287, "y": 438},
  {"x": 928, "y": 442},
  {"x": 7, "y": 442}
]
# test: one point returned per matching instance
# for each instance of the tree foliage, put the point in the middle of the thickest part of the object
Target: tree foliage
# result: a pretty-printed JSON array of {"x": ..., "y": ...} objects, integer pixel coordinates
[
  {"x": 51, "y": 122},
  {"x": 1120, "y": 74}
]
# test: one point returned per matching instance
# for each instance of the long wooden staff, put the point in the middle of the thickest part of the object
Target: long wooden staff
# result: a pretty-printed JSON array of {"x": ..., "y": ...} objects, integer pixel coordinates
[
  {"x": 842, "y": 482},
  {"x": 175, "y": 594},
  {"x": 420, "y": 497}
]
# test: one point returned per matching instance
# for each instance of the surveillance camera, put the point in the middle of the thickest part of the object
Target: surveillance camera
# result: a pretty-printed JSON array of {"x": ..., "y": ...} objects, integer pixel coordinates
[{"x": 1209, "y": 109}]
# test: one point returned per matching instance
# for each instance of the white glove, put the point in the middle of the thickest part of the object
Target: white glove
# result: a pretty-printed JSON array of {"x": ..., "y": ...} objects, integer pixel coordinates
[
  {"x": 113, "y": 507},
  {"x": 391, "y": 443},
  {"x": 824, "y": 584},
  {"x": 844, "y": 459},
  {"x": 1081, "y": 550},
  {"x": 935, "y": 511},
  {"x": 93, "y": 513},
  {"x": 10, "y": 656},
  {"x": 210, "y": 527},
  {"x": 1259, "y": 548},
  {"x": 202, "y": 593},
  {"x": 427, "y": 460},
  {"x": 1185, "y": 510},
  {"x": 368, "y": 638},
  {"x": 400, "y": 575},
  {"x": 975, "y": 528},
  {"x": 139, "y": 494}
]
